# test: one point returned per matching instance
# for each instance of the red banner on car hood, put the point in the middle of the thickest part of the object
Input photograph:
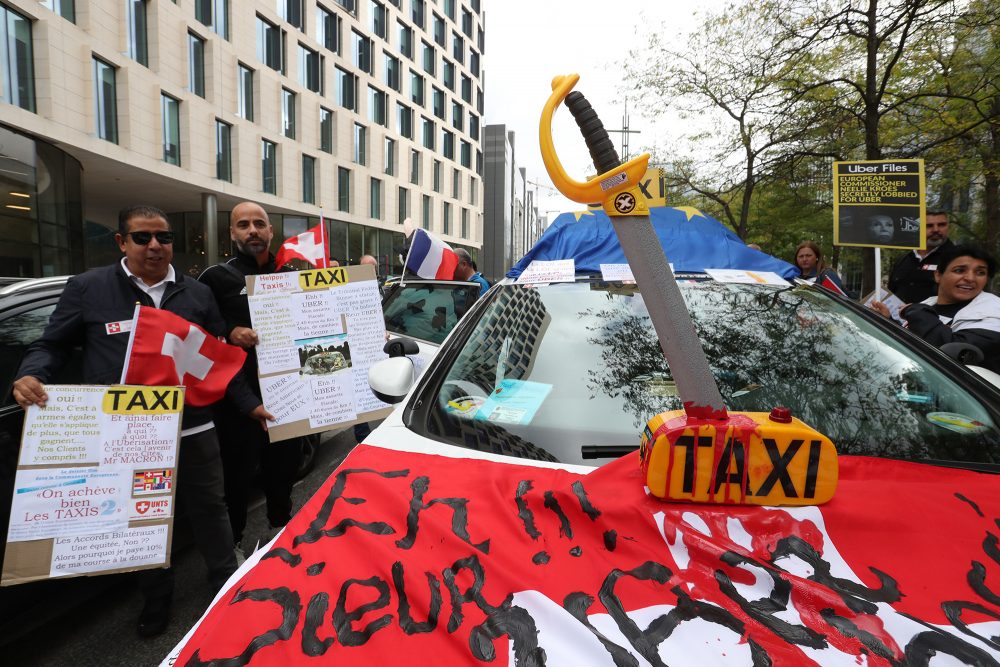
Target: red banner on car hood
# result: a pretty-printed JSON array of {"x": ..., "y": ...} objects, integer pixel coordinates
[{"x": 417, "y": 559}]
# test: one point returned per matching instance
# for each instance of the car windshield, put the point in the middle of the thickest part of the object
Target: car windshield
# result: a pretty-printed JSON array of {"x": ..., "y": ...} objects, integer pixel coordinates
[
  {"x": 428, "y": 311},
  {"x": 549, "y": 370}
]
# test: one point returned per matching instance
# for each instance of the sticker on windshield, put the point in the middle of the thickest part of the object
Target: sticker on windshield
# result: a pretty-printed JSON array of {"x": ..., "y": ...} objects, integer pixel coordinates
[
  {"x": 955, "y": 422},
  {"x": 513, "y": 402}
]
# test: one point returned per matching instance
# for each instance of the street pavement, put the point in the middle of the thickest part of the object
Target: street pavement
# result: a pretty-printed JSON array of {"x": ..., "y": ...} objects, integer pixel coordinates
[{"x": 100, "y": 631}]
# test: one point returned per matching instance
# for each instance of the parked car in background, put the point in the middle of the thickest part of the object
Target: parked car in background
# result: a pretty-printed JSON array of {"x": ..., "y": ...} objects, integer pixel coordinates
[{"x": 426, "y": 311}]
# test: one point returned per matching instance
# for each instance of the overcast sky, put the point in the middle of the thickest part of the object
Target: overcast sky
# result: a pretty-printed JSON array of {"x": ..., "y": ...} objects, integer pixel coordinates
[{"x": 529, "y": 42}]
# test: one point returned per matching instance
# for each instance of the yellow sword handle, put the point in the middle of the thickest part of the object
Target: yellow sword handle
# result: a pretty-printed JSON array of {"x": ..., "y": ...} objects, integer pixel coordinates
[{"x": 613, "y": 177}]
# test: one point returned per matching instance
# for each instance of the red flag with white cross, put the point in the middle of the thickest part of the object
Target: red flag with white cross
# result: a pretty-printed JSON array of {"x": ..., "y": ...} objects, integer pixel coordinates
[
  {"x": 165, "y": 349},
  {"x": 311, "y": 246}
]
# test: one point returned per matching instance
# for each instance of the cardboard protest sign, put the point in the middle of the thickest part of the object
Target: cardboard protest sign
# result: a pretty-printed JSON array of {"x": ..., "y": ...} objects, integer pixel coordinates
[
  {"x": 879, "y": 203},
  {"x": 94, "y": 487},
  {"x": 320, "y": 331},
  {"x": 424, "y": 559}
]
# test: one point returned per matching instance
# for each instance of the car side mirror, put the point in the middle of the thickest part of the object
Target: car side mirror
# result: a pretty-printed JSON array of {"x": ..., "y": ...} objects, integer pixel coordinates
[
  {"x": 391, "y": 379},
  {"x": 400, "y": 347},
  {"x": 963, "y": 353}
]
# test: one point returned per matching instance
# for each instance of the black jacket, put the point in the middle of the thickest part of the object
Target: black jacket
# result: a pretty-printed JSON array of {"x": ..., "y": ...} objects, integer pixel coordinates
[
  {"x": 228, "y": 285},
  {"x": 105, "y": 295},
  {"x": 912, "y": 279}
]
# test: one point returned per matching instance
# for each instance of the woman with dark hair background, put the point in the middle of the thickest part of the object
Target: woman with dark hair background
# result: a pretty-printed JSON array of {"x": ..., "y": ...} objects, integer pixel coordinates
[{"x": 962, "y": 311}]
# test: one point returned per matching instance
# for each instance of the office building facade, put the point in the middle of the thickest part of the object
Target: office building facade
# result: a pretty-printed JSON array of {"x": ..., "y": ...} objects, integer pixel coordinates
[{"x": 367, "y": 111}]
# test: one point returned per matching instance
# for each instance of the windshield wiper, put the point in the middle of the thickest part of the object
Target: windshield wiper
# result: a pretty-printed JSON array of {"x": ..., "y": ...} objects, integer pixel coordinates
[{"x": 606, "y": 451}]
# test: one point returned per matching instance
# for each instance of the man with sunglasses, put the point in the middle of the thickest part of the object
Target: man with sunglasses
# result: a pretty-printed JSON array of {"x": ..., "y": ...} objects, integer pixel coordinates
[{"x": 95, "y": 312}]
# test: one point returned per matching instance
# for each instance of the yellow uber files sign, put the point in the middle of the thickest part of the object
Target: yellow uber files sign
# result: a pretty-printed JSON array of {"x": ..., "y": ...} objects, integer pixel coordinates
[{"x": 747, "y": 459}]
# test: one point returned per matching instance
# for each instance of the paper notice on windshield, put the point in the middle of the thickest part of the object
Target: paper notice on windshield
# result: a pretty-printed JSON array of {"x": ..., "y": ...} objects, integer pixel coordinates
[
  {"x": 617, "y": 273},
  {"x": 891, "y": 301},
  {"x": 513, "y": 402},
  {"x": 549, "y": 271},
  {"x": 747, "y": 277},
  {"x": 95, "y": 463},
  {"x": 320, "y": 331}
]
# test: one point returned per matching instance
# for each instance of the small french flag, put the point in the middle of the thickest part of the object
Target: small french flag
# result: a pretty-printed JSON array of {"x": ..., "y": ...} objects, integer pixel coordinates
[{"x": 430, "y": 257}]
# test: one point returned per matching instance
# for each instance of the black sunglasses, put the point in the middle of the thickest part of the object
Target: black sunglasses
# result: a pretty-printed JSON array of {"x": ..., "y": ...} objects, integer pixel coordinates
[{"x": 143, "y": 238}]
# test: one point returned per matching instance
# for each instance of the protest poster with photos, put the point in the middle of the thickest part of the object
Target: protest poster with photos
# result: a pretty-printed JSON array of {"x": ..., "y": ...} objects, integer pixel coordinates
[
  {"x": 319, "y": 332},
  {"x": 94, "y": 486},
  {"x": 879, "y": 203}
]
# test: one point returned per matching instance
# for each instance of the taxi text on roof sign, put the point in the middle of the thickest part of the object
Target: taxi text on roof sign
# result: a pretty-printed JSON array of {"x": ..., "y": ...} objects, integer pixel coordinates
[
  {"x": 323, "y": 278},
  {"x": 755, "y": 458},
  {"x": 127, "y": 400}
]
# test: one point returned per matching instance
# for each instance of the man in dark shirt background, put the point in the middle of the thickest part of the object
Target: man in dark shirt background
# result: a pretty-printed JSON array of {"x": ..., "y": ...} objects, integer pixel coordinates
[
  {"x": 244, "y": 444},
  {"x": 912, "y": 276}
]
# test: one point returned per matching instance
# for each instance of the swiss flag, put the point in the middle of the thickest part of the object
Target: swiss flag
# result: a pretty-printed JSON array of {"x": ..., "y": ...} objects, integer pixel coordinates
[
  {"x": 311, "y": 245},
  {"x": 828, "y": 283},
  {"x": 166, "y": 349}
]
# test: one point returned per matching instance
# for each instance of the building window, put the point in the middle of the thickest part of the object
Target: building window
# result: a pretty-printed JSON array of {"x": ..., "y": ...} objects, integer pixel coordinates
[
  {"x": 196, "y": 64},
  {"x": 474, "y": 126},
  {"x": 170, "y": 109},
  {"x": 360, "y": 144},
  {"x": 437, "y": 103},
  {"x": 448, "y": 74},
  {"x": 310, "y": 69},
  {"x": 325, "y": 130},
  {"x": 291, "y": 11},
  {"x": 377, "y": 102},
  {"x": 414, "y": 166},
  {"x": 105, "y": 101},
  {"x": 244, "y": 92},
  {"x": 269, "y": 39},
  {"x": 362, "y": 52},
  {"x": 426, "y": 210},
  {"x": 436, "y": 176},
  {"x": 343, "y": 189},
  {"x": 18, "y": 60},
  {"x": 428, "y": 133},
  {"x": 465, "y": 223},
  {"x": 308, "y": 179},
  {"x": 473, "y": 191},
  {"x": 215, "y": 14},
  {"x": 467, "y": 89},
  {"x": 467, "y": 21},
  {"x": 390, "y": 156},
  {"x": 438, "y": 30},
  {"x": 465, "y": 154},
  {"x": 458, "y": 47},
  {"x": 404, "y": 120},
  {"x": 446, "y": 219},
  {"x": 379, "y": 19},
  {"x": 349, "y": 5},
  {"x": 418, "y": 12},
  {"x": 456, "y": 184},
  {"x": 392, "y": 72},
  {"x": 269, "y": 166},
  {"x": 448, "y": 144},
  {"x": 328, "y": 29},
  {"x": 474, "y": 62},
  {"x": 223, "y": 151},
  {"x": 402, "y": 205},
  {"x": 416, "y": 88},
  {"x": 64, "y": 8},
  {"x": 135, "y": 17},
  {"x": 288, "y": 113},
  {"x": 449, "y": 9},
  {"x": 457, "y": 116},
  {"x": 430, "y": 59},
  {"x": 375, "y": 199},
  {"x": 405, "y": 40},
  {"x": 347, "y": 89}
]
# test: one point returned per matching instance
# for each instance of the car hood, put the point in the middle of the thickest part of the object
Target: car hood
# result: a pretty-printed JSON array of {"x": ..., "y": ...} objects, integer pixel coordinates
[{"x": 404, "y": 554}]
